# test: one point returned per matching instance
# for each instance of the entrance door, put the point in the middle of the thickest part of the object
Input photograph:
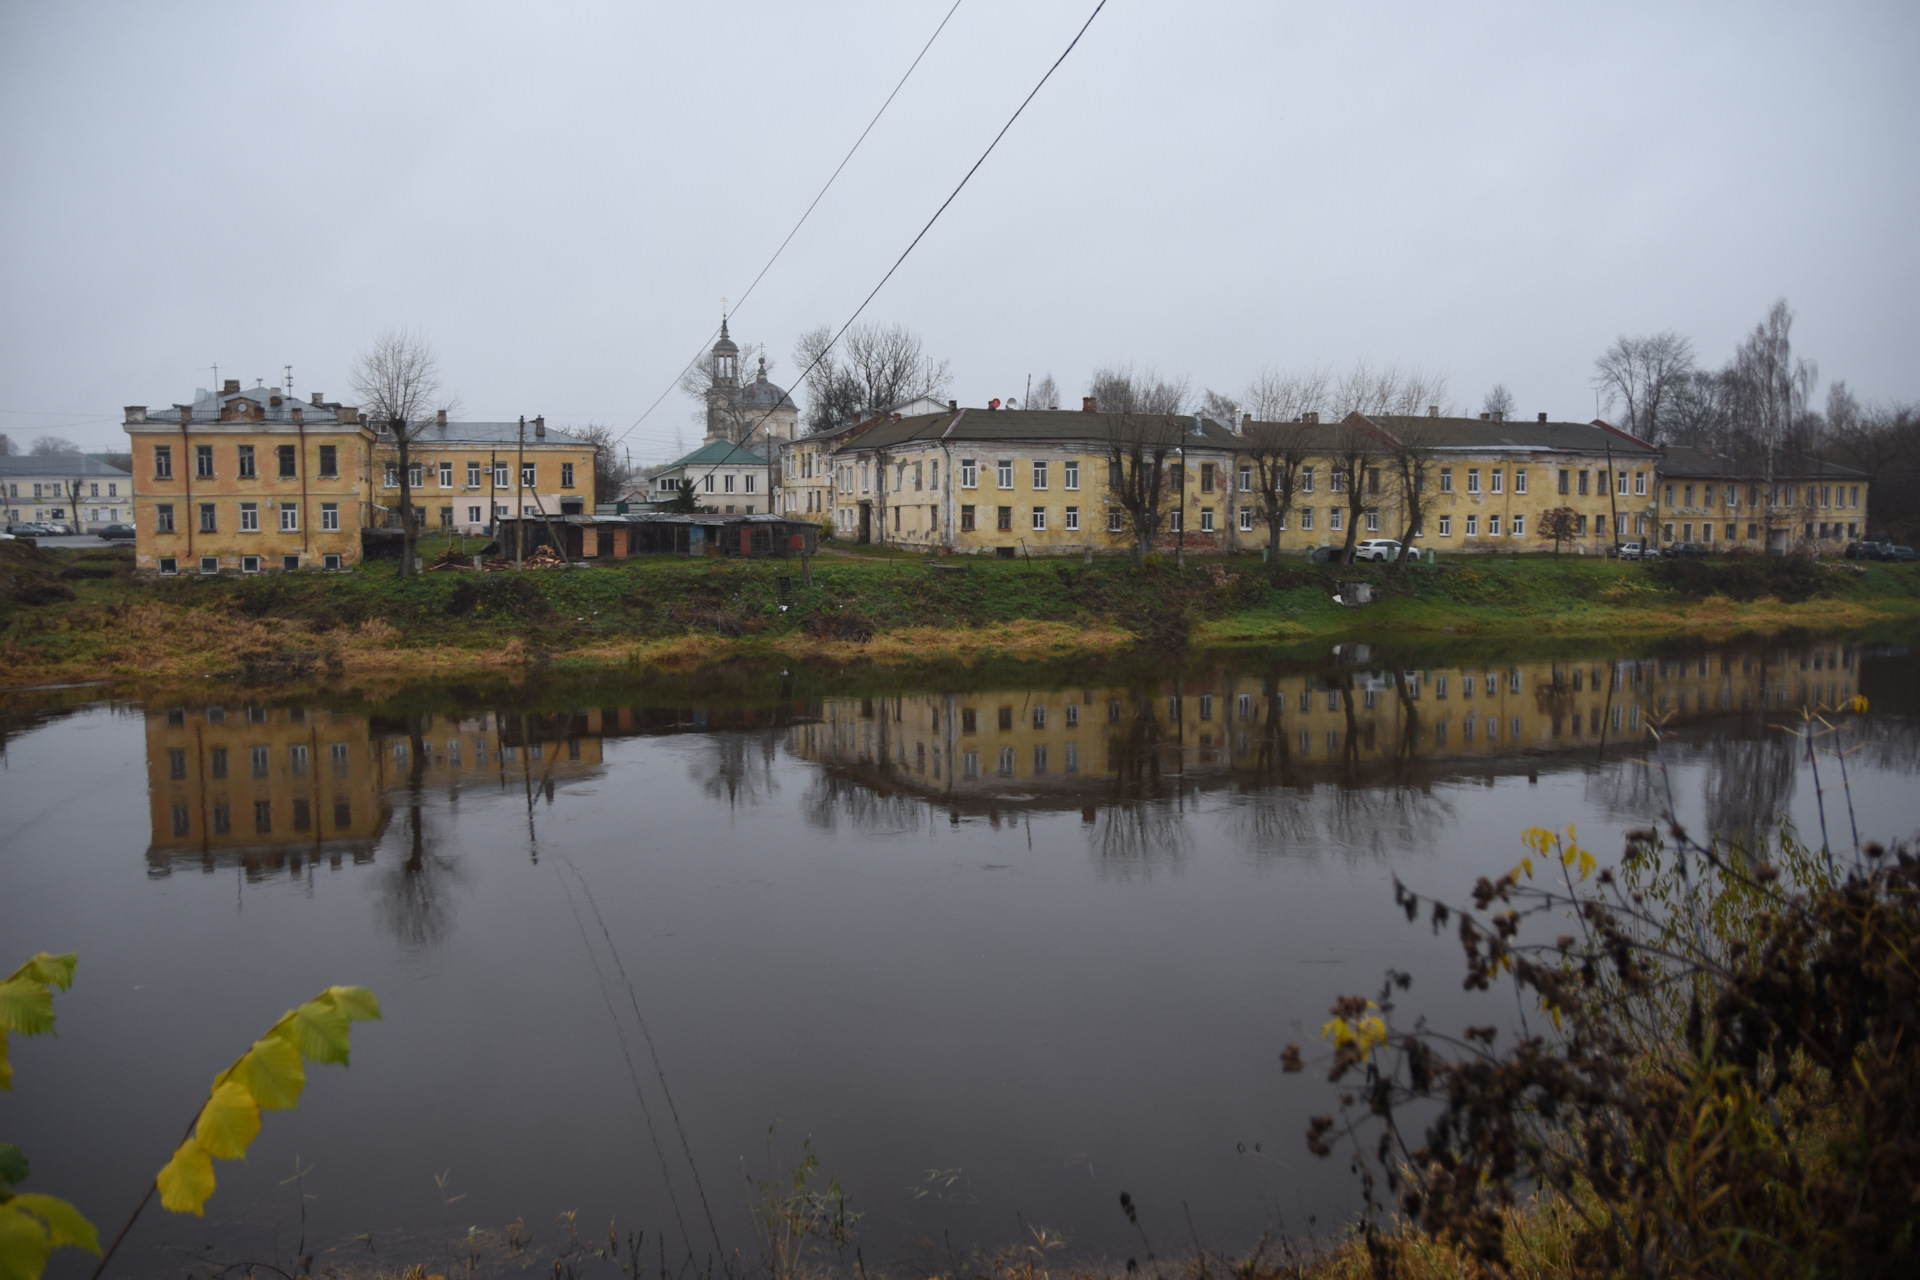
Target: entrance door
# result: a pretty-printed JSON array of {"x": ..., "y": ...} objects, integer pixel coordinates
[{"x": 866, "y": 523}]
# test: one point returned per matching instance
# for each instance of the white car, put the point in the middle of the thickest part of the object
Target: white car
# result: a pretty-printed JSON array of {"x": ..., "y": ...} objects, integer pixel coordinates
[{"x": 1376, "y": 549}]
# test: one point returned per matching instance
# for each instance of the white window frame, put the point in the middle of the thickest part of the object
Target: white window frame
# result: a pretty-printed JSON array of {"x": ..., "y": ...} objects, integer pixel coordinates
[
  {"x": 1493, "y": 524},
  {"x": 1246, "y": 519},
  {"x": 1039, "y": 519},
  {"x": 249, "y": 517},
  {"x": 1517, "y": 526},
  {"x": 1473, "y": 479},
  {"x": 1116, "y": 522},
  {"x": 1446, "y": 526},
  {"x": 1206, "y": 519},
  {"x": 1373, "y": 519},
  {"x": 1519, "y": 479},
  {"x": 1473, "y": 526},
  {"x": 446, "y": 475},
  {"x": 1039, "y": 475},
  {"x": 289, "y": 518},
  {"x": 1073, "y": 519},
  {"x": 1070, "y": 475},
  {"x": 1498, "y": 480},
  {"x": 969, "y": 473},
  {"x": 1004, "y": 472},
  {"x": 329, "y": 517}
]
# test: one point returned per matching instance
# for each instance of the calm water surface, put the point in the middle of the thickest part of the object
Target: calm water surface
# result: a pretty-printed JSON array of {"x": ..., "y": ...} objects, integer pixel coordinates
[{"x": 1000, "y": 944}]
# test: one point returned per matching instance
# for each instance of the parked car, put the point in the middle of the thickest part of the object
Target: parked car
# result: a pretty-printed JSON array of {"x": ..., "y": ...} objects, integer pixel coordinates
[
  {"x": 1634, "y": 551},
  {"x": 117, "y": 532},
  {"x": 1902, "y": 554},
  {"x": 1686, "y": 550},
  {"x": 1376, "y": 549},
  {"x": 58, "y": 528}
]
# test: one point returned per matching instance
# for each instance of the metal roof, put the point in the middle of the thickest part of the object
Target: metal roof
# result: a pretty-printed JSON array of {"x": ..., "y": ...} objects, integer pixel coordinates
[
  {"x": 490, "y": 433},
  {"x": 59, "y": 464},
  {"x": 1687, "y": 461},
  {"x": 718, "y": 453},
  {"x": 1043, "y": 425}
]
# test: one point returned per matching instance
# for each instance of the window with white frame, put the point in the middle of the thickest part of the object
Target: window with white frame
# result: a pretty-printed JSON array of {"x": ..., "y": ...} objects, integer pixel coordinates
[
  {"x": 1206, "y": 519},
  {"x": 1005, "y": 469},
  {"x": 1039, "y": 519},
  {"x": 473, "y": 475},
  {"x": 1473, "y": 479},
  {"x": 1070, "y": 474},
  {"x": 969, "y": 473},
  {"x": 1306, "y": 480},
  {"x": 1446, "y": 479},
  {"x": 1473, "y": 526},
  {"x": 1306, "y": 518},
  {"x": 1493, "y": 525},
  {"x": 1335, "y": 517},
  {"x": 1496, "y": 479},
  {"x": 500, "y": 475},
  {"x": 1174, "y": 522},
  {"x": 1246, "y": 519},
  {"x": 1115, "y": 520},
  {"x": 330, "y": 517},
  {"x": 1519, "y": 479},
  {"x": 748, "y": 480},
  {"x": 1039, "y": 475},
  {"x": 529, "y": 475},
  {"x": 393, "y": 475},
  {"x": 249, "y": 517},
  {"x": 289, "y": 518},
  {"x": 1519, "y": 526},
  {"x": 1446, "y": 526},
  {"x": 1246, "y": 478},
  {"x": 1073, "y": 518},
  {"x": 1639, "y": 484},
  {"x": 446, "y": 475}
]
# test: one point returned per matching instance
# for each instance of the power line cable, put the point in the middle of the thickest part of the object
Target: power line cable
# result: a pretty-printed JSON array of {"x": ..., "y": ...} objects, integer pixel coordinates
[
  {"x": 821, "y": 194},
  {"x": 839, "y": 333}
]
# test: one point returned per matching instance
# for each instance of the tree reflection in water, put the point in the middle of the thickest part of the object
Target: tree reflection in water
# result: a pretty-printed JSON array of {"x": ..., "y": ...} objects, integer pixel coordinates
[
  {"x": 415, "y": 889},
  {"x": 737, "y": 768}
]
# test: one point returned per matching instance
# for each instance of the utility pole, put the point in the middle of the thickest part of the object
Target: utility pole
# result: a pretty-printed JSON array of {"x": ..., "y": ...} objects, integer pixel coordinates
[
  {"x": 520, "y": 471},
  {"x": 493, "y": 499}
]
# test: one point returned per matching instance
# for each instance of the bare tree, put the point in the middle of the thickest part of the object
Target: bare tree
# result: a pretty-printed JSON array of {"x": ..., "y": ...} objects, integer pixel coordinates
[
  {"x": 1559, "y": 524},
  {"x": 1119, "y": 388},
  {"x": 398, "y": 382},
  {"x": 1641, "y": 375},
  {"x": 1498, "y": 403},
  {"x": 1377, "y": 405},
  {"x": 1138, "y": 446},
  {"x": 1770, "y": 388},
  {"x": 1220, "y": 407},
  {"x": 1045, "y": 394},
  {"x": 610, "y": 473},
  {"x": 51, "y": 446},
  {"x": 1277, "y": 452},
  {"x": 6, "y": 445},
  {"x": 874, "y": 368},
  {"x": 1276, "y": 396},
  {"x": 1698, "y": 410}
]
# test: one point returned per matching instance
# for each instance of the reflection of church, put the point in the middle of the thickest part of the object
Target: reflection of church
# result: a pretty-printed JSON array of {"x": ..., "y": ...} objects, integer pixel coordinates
[{"x": 755, "y": 414}]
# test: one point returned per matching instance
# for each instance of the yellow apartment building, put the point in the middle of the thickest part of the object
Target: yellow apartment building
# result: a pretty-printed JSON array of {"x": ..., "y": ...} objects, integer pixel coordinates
[
  {"x": 247, "y": 481},
  {"x": 1712, "y": 501},
  {"x": 464, "y": 474}
]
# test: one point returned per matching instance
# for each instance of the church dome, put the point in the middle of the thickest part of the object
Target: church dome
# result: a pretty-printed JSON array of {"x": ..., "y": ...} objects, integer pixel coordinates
[{"x": 726, "y": 346}]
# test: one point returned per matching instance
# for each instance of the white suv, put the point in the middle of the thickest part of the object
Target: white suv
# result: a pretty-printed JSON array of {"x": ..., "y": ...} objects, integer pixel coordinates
[{"x": 1376, "y": 549}]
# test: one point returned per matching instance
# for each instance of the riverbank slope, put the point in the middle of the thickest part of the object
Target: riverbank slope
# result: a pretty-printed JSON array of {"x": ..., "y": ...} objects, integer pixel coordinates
[{"x": 82, "y": 615}]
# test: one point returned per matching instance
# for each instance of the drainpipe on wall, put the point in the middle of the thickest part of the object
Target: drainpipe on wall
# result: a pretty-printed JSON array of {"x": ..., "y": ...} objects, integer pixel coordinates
[{"x": 186, "y": 478}]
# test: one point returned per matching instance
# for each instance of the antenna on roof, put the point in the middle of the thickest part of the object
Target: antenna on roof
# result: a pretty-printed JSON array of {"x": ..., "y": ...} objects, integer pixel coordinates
[
  {"x": 216, "y": 377},
  {"x": 288, "y": 388}
]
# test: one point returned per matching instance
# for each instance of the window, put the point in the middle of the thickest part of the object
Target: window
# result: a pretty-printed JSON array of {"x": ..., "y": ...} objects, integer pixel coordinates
[
  {"x": 566, "y": 476},
  {"x": 1040, "y": 717},
  {"x": 1497, "y": 479},
  {"x": 391, "y": 475},
  {"x": 333, "y": 560},
  {"x": 1336, "y": 517},
  {"x": 473, "y": 475},
  {"x": 1621, "y": 488},
  {"x": 728, "y": 481},
  {"x": 1690, "y": 495},
  {"x": 446, "y": 475},
  {"x": 209, "y": 564},
  {"x": 1039, "y": 476},
  {"x": 1753, "y": 531},
  {"x": 1493, "y": 526},
  {"x": 1246, "y": 519},
  {"x": 207, "y": 521},
  {"x": 1519, "y": 479},
  {"x": 1446, "y": 479},
  {"x": 1519, "y": 526},
  {"x": 500, "y": 474},
  {"x": 249, "y": 517},
  {"x": 1639, "y": 484},
  {"x": 169, "y": 566},
  {"x": 1005, "y": 469},
  {"x": 1206, "y": 519},
  {"x": 1039, "y": 519},
  {"x": 284, "y": 454},
  {"x": 162, "y": 464},
  {"x": 1669, "y": 494},
  {"x": 1666, "y": 531},
  {"x": 1853, "y": 495},
  {"x": 163, "y": 518},
  {"x": 1306, "y": 481},
  {"x": 749, "y": 478},
  {"x": 289, "y": 518},
  {"x": 1584, "y": 475},
  {"x": 329, "y": 462},
  {"x": 1005, "y": 521},
  {"x": 330, "y": 517},
  {"x": 446, "y": 517},
  {"x": 1175, "y": 521},
  {"x": 203, "y": 461},
  {"x": 1206, "y": 477},
  {"x": 1071, "y": 477},
  {"x": 966, "y": 518},
  {"x": 1473, "y": 479},
  {"x": 246, "y": 462},
  {"x": 1473, "y": 526},
  {"x": 289, "y": 563},
  {"x": 249, "y": 564},
  {"x": 1306, "y": 517},
  {"x": 1073, "y": 518},
  {"x": 529, "y": 475},
  {"x": 1246, "y": 478},
  {"x": 413, "y": 475},
  {"x": 1373, "y": 520},
  {"x": 969, "y": 473},
  {"x": 1116, "y": 520},
  {"x": 473, "y": 515},
  {"x": 1446, "y": 526},
  {"x": 1338, "y": 481}
]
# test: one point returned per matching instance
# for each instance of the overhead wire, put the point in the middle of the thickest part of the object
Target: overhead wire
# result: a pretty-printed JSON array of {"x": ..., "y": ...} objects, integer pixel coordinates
[
  {"x": 818, "y": 196},
  {"x": 827, "y": 349}
]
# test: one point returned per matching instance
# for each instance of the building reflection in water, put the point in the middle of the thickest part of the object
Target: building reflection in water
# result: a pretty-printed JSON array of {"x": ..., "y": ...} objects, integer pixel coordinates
[{"x": 284, "y": 789}]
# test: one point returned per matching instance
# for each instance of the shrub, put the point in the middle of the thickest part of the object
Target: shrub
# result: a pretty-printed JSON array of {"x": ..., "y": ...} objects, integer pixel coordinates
[{"x": 1789, "y": 579}]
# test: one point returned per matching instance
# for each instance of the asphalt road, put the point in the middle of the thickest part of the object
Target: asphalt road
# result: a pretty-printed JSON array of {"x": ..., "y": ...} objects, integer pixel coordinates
[{"x": 77, "y": 540}]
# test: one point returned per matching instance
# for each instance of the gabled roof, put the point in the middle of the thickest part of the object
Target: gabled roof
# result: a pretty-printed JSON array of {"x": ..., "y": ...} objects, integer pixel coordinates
[
  {"x": 1681, "y": 460},
  {"x": 718, "y": 453},
  {"x": 1048, "y": 426},
  {"x": 1481, "y": 433},
  {"x": 59, "y": 464},
  {"x": 489, "y": 433}
]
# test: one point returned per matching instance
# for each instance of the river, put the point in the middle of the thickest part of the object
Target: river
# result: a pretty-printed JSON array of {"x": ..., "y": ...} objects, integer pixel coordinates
[{"x": 1001, "y": 942}]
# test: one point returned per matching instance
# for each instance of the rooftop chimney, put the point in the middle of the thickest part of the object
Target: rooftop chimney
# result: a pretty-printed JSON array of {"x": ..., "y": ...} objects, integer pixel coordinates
[
  {"x": 317, "y": 401},
  {"x": 1499, "y": 415},
  {"x": 136, "y": 413},
  {"x": 1087, "y": 405},
  {"x": 1246, "y": 420},
  {"x": 1543, "y": 417},
  {"x": 230, "y": 387},
  {"x": 299, "y": 414},
  {"x": 349, "y": 414},
  {"x": 1433, "y": 411},
  {"x": 953, "y": 404},
  {"x": 1486, "y": 417},
  {"x": 540, "y": 428},
  {"x": 439, "y": 417},
  {"x": 1310, "y": 416}
]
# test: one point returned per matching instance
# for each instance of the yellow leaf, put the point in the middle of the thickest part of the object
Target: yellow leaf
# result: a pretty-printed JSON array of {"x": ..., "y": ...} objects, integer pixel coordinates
[
  {"x": 66, "y": 1225},
  {"x": 23, "y": 1245},
  {"x": 26, "y": 1006},
  {"x": 273, "y": 1073},
  {"x": 229, "y": 1121},
  {"x": 56, "y": 971},
  {"x": 1860, "y": 704},
  {"x": 187, "y": 1180},
  {"x": 319, "y": 1030},
  {"x": 358, "y": 1003}
]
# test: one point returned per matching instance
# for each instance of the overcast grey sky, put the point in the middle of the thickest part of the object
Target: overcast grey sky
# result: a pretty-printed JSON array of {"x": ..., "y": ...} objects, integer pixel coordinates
[{"x": 558, "y": 195}]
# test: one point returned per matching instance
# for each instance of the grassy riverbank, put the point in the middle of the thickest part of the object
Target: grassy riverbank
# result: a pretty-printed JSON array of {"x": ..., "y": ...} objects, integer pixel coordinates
[{"x": 81, "y": 614}]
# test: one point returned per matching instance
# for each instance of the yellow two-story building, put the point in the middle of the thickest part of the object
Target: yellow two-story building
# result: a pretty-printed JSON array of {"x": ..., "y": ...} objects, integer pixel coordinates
[{"x": 464, "y": 475}]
